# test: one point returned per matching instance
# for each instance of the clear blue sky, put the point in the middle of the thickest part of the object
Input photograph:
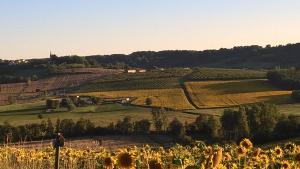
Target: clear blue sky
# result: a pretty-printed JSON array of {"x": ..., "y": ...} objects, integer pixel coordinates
[{"x": 33, "y": 28}]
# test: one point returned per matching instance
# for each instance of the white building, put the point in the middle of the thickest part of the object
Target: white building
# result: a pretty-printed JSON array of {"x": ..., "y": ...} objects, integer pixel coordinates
[{"x": 131, "y": 71}]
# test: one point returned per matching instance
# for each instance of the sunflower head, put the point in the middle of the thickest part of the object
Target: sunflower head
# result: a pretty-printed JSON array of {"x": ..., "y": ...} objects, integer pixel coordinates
[
  {"x": 297, "y": 157},
  {"x": 108, "y": 162},
  {"x": 208, "y": 151},
  {"x": 285, "y": 165},
  {"x": 278, "y": 151},
  {"x": 125, "y": 160},
  {"x": 227, "y": 157},
  {"x": 246, "y": 143},
  {"x": 264, "y": 158},
  {"x": 256, "y": 153},
  {"x": 290, "y": 147},
  {"x": 241, "y": 151},
  {"x": 154, "y": 164}
]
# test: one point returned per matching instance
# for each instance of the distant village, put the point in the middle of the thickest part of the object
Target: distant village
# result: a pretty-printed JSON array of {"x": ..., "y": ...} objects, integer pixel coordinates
[{"x": 15, "y": 62}]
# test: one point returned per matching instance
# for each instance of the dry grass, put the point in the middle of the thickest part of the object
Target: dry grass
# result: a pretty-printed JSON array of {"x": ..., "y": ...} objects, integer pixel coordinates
[
  {"x": 171, "y": 98},
  {"x": 213, "y": 94}
]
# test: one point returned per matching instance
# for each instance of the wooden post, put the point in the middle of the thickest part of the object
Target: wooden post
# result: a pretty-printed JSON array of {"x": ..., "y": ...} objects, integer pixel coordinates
[
  {"x": 57, "y": 143},
  {"x": 57, "y": 157}
]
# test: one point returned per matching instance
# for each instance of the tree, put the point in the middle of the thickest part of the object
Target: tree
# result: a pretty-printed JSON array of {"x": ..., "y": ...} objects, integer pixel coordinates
[
  {"x": 242, "y": 124},
  {"x": 125, "y": 126},
  {"x": 215, "y": 126},
  {"x": 67, "y": 127},
  {"x": 142, "y": 126},
  {"x": 287, "y": 127},
  {"x": 176, "y": 128},
  {"x": 52, "y": 103},
  {"x": 262, "y": 120},
  {"x": 50, "y": 129},
  {"x": 159, "y": 118},
  {"x": 201, "y": 123},
  {"x": 57, "y": 126}
]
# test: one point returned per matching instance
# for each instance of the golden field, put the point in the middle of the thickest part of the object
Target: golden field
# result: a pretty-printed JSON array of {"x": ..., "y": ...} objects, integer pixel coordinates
[
  {"x": 199, "y": 156},
  {"x": 213, "y": 94},
  {"x": 172, "y": 98}
]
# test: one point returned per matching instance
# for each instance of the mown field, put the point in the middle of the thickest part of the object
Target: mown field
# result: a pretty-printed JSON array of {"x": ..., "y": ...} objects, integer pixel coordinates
[
  {"x": 102, "y": 115},
  {"x": 213, "y": 94},
  {"x": 171, "y": 98}
]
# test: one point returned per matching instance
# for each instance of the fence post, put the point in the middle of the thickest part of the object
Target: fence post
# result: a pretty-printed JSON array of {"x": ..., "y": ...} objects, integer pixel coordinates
[
  {"x": 58, "y": 142},
  {"x": 57, "y": 157}
]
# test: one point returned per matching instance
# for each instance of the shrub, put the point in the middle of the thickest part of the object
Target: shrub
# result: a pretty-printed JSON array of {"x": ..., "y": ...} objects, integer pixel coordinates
[{"x": 52, "y": 103}]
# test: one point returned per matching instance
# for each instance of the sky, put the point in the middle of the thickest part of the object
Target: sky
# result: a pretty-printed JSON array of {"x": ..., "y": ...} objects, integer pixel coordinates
[{"x": 33, "y": 28}]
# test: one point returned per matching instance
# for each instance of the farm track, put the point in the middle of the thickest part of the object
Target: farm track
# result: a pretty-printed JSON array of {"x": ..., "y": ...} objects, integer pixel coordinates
[{"x": 187, "y": 95}]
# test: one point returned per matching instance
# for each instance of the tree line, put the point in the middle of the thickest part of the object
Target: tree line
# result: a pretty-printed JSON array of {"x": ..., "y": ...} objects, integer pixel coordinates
[
  {"x": 260, "y": 122},
  {"x": 237, "y": 57}
]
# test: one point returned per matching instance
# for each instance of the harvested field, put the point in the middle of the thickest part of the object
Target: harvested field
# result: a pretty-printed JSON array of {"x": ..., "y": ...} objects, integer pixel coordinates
[
  {"x": 213, "y": 94},
  {"x": 170, "y": 98}
]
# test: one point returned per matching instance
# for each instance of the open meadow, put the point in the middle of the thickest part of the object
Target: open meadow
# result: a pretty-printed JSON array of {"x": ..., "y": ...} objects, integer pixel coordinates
[{"x": 101, "y": 115}]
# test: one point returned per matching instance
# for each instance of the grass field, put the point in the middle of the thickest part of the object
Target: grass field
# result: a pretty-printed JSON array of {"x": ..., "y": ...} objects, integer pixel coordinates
[
  {"x": 99, "y": 114},
  {"x": 172, "y": 98},
  {"x": 213, "y": 94}
]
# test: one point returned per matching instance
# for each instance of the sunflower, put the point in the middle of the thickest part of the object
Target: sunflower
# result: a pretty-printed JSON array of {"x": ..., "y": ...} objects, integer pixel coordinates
[
  {"x": 154, "y": 164},
  {"x": 217, "y": 158},
  {"x": 290, "y": 147},
  {"x": 256, "y": 153},
  {"x": 108, "y": 162},
  {"x": 227, "y": 157},
  {"x": 264, "y": 160},
  {"x": 125, "y": 160},
  {"x": 246, "y": 143},
  {"x": 285, "y": 165},
  {"x": 241, "y": 151},
  {"x": 278, "y": 152},
  {"x": 297, "y": 157},
  {"x": 208, "y": 151}
]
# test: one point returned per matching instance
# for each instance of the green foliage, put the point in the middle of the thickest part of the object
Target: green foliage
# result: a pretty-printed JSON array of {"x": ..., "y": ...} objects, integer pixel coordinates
[
  {"x": 159, "y": 119},
  {"x": 142, "y": 126},
  {"x": 125, "y": 126},
  {"x": 215, "y": 127},
  {"x": 262, "y": 119},
  {"x": 52, "y": 103},
  {"x": 176, "y": 128},
  {"x": 286, "y": 79}
]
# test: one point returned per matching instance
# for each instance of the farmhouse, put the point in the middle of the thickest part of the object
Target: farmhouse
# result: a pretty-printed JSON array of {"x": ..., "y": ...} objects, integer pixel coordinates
[
  {"x": 131, "y": 71},
  {"x": 136, "y": 70}
]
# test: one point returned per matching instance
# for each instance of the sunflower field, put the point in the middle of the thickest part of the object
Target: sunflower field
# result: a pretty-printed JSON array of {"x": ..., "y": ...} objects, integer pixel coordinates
[{"x": 198, "y": 156}]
